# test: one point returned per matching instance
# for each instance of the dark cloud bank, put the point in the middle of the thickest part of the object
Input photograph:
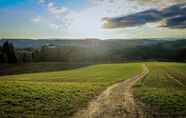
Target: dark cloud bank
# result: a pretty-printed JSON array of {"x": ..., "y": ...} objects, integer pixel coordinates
[{"x": 173, "y": 17}]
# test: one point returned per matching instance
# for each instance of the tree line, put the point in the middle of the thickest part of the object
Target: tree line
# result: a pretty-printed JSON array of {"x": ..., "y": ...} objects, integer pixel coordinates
[{"x": 93, "y": 52}]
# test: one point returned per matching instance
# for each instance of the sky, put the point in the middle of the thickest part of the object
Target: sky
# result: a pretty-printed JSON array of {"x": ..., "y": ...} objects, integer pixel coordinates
[{"x": 103, "y": 19}]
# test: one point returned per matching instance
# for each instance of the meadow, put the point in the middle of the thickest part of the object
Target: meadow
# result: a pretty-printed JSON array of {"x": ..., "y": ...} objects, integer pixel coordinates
[
  {"x": 163, "y": 90},
  {"x": 60, "y": 93},
  {"x": 162, "y": 93}
]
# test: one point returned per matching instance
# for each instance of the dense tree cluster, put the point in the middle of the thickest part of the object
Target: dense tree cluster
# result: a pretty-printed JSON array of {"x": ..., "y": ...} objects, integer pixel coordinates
[{"x": 7, "y": 53}]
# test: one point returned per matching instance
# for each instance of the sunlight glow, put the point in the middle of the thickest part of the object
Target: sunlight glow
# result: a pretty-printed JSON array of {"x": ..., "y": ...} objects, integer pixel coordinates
[
  {"x": 90, "y": 22},
  {"x": 87, "y": 25}
]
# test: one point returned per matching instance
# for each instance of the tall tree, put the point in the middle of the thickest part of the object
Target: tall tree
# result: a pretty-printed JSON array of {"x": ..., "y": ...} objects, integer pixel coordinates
[
  {"x": 8, "y": 50},
  {"x": 1, "y": 55}
]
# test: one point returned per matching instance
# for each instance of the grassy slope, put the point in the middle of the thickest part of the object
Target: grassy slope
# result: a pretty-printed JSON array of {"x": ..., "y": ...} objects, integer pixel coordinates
[
  {"x": 58, "y": 94},
  {"x": 164, "y": 89}
]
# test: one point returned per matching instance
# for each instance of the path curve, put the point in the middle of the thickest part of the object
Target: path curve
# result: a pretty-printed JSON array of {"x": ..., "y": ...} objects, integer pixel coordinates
[{"x": 117, "y": 101}]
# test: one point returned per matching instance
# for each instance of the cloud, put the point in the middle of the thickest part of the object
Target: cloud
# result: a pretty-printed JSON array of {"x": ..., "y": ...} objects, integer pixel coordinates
[
  {"x": 160, "y": 3},
  {"x": 42, "y": 1},
  {"x": 96, "y": 9},
  {"x": 54, "y": 26},
  {"x": 53, "y": 8},
  {"x": 36, "y": 19},
  {"x": 176, "y": 22},
  {"x": 137, "y": 19},
  {"x": 174, "y": 17},
  {"x": 117, "y": 7},
  {"x": 56, "y": 10},
  {"x": 56, "y": 14}
]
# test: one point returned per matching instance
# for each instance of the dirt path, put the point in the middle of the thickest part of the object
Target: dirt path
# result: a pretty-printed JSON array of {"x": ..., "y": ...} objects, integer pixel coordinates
[{"x": 117, "y": 101}]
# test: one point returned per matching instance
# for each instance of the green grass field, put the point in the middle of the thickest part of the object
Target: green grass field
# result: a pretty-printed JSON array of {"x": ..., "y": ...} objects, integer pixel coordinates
[
  {"x": 163, "y": 91},
  {"x": 62, "y": 93},
  {"x": 58, "y": 94}
]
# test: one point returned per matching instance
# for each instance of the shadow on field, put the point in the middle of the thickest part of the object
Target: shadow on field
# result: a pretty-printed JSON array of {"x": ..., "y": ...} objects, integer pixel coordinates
[{"x": 11, "y": 69}]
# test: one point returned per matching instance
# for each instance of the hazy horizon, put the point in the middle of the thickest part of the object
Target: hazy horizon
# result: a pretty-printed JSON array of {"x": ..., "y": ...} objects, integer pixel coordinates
[{"x": 162, "y": 38}]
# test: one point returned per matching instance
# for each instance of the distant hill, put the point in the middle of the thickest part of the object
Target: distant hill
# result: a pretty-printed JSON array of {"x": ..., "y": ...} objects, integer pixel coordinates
[{"x": 30, "y": 43}]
